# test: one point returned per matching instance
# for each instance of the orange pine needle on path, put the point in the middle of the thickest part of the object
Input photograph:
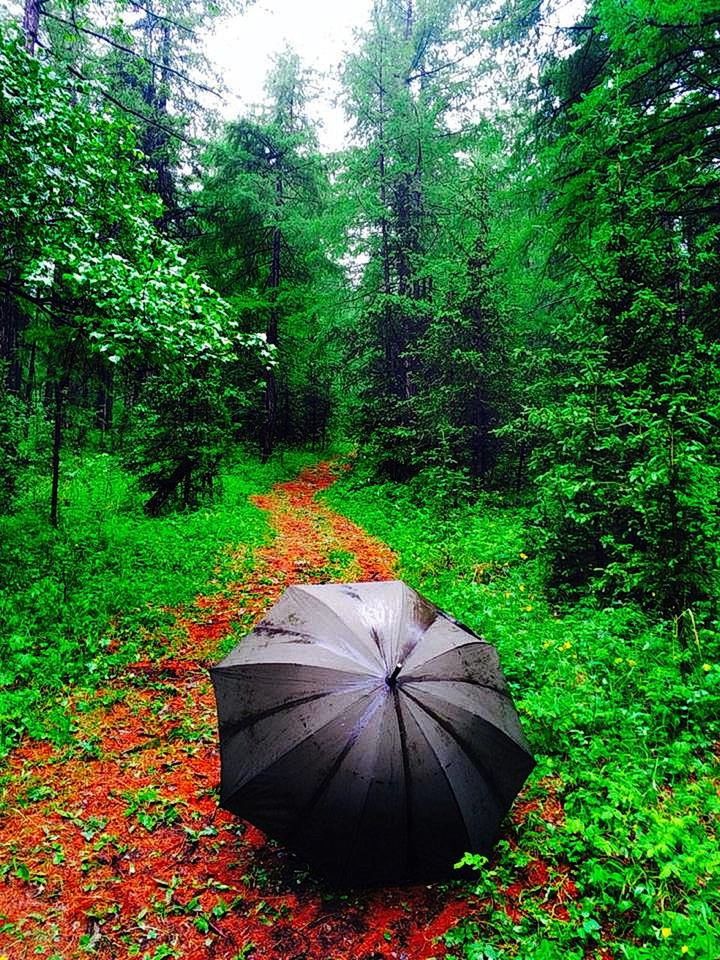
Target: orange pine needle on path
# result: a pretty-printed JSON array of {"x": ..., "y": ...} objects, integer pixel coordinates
[{"x": 115, "y": 847}]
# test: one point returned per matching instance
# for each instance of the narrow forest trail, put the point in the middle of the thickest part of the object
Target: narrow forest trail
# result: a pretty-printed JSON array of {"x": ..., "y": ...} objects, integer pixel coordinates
[{"x": 115, "y": 846}]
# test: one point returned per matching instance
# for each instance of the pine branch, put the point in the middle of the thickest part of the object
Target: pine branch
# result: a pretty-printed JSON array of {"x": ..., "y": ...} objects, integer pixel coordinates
[
  {"x": 158, "y": 16},
  {"x": 124, "y": 49},
  {"x": 122, "y": 106}
]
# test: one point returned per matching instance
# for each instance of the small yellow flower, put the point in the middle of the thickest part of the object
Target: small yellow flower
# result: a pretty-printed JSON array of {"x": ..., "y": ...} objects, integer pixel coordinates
[
  {"x": 684, "y": 948},
  {"x": 617, "y": 660},
  {"x": 566, "y": 645},
  {"x": 633, "y": 663},
  {"x": 546, "y": 644},
  {"x": 707, "y": 667},
  {"x": 665, "y": 932},
  {"x": 507, "y": 594},
  {"x": 523, "y": 556},
  {"x": 528, "y": 608},
  {"x": 521, "y": 586}
]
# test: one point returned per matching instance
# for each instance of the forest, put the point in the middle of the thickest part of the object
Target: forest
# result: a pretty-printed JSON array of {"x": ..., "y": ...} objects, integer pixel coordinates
[{"x": 475, "y": 349}]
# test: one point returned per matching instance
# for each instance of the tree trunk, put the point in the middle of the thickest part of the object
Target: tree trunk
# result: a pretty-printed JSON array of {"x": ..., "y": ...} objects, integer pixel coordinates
[
  {"x": 31, "y": 24},
  {"x": 167, "y": 486},
  {"x": 104, "y": 405},
  {"x": 272, "y": 329},
  {"x": 58, "y": 391},
  {"x": 11, "y": 324},
  {"x": 29, "y": 387},
  {"x": 389, "y": 335}
]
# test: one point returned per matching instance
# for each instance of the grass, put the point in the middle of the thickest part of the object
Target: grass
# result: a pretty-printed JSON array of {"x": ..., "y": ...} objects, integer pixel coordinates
[
  {"x": 624, "y": 726},
  {"x": 107, "y": 574}
]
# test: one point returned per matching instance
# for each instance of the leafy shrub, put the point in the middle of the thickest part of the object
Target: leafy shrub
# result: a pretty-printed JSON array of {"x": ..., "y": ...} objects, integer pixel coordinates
[
  {"x": 109, "y": 572},
  {"x": 622, "y": 722}
]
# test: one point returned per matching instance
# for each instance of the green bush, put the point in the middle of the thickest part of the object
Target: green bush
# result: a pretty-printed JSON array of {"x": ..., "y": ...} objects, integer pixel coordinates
[
  {"x": 11, "y": 421},
  {"x": 622, "y": 723},
  {"x": 107, "y": 572}
]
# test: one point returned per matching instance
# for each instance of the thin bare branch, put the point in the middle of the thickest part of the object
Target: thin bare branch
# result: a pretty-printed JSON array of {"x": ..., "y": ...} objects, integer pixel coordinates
[
  {"x": 121, "y": 46},
  {"x": 124, "y": 107}
]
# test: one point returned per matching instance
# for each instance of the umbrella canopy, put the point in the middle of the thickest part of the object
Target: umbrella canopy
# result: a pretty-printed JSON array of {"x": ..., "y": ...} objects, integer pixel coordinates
[{"x": 370, "y": 732}]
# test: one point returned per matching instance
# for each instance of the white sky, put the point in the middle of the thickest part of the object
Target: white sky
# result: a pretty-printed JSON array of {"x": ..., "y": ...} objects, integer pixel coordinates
[{"x": 241, "y": 49}]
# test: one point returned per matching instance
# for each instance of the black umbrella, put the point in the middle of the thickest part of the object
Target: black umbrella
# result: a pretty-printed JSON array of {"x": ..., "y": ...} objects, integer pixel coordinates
[{"x": 370, "y": 732}]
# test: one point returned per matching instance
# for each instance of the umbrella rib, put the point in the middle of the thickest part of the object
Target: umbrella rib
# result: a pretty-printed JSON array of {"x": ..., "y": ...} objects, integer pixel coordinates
[
  {"x": 448, "y": 780},
  {"x": 447, "y": 727},
  {"x": 463, "y": 626},
  {"x": 362, "y": 649},
  {"x": 239, "y": 668},
  {"x": 520, "y": 744},
  {"x": 402, "y": 733},
  {"x": 308, "y": 735},
  {"x": 429, "y": 678},
  {"x": 309, "y": 807},
  {"x": 457, "y": 646},
  {"x": 250, "y": 720},
  {"x": 271, "y": 628}
]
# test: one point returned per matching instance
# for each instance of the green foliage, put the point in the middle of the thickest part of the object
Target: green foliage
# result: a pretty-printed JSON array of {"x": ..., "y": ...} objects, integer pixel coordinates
[
  {"x": 622, "y": 398},
  {"x": 11, "y": 431},
  {"x": 470, "y": 299},
  {"x": 428, "y": 352},
  {"x": 623, "y": 736},
  {"x": 114, "y": 285},
  {"x": 261, "y": 241},
  {"x": 182, "y": 427},
  {"x": 78, "y": 602}
]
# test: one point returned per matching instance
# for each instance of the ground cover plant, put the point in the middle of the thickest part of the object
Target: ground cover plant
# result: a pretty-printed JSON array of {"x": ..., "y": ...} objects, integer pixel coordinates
[
  {"x": 496, "y": 292},
  {"x": 625, "y": 727},
  {"x": 112, "y": 841},
  {"x": 78, "y": 601}
]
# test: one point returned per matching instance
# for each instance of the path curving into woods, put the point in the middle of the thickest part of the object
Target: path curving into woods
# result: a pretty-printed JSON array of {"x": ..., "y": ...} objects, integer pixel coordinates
[{"x": 115, "y": 847}]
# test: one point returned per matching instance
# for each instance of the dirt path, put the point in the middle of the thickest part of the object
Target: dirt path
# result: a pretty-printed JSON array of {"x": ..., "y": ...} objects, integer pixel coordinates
[{"x": 116, "y": 848}]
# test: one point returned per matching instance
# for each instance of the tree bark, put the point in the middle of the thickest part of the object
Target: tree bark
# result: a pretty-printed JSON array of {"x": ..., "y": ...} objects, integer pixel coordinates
[
  {"x": 58, "y": 392},
  {"x": 167, "y": 486},
  {"x": 31, "y": 24},
  {"x": 29, "y": 386},
  {"x": 11, "y": 324},
  {"x": 104, "y": 406},
  {"x": 268, "y": 443}
]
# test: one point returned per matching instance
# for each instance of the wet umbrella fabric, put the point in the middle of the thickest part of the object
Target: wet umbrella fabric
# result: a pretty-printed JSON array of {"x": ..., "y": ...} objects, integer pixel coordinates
[{"x": 370, "y": 732}]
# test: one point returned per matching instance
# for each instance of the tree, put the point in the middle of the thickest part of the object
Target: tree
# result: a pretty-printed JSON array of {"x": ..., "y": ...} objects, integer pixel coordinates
[
  {"x": 627, "y": 463},
  {"x": 419, "y": 220},
  {"x": 259, "y": 216},
  {"x": 86, "y": 258}
]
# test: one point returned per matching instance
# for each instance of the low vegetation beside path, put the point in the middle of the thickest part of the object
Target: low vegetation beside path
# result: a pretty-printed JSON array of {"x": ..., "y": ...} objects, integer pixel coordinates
[{"x": 626, "y": 739}]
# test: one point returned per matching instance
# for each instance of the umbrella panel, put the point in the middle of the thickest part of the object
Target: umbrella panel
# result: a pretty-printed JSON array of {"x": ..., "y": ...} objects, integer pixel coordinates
[{"x": 373, "y": 779}]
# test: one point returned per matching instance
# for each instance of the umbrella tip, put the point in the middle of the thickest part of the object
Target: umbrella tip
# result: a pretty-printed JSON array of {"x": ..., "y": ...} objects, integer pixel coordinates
[{"x": 390, "y": 680}]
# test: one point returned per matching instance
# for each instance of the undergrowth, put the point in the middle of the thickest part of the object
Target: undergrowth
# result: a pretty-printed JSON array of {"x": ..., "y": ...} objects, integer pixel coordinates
[
  {"x": 79, "y": 601},
  {"x": 624, "y": 725}
]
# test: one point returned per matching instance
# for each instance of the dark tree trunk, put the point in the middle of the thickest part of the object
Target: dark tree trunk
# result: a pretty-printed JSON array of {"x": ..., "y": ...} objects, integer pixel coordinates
[
  {"x": 391, "y": 345},
  {"x": 188, "y": 498},
  {"x": 268, "y": 443},
  {"x": 11, "y": 324},
  {"x": 167, "y": 486},
  {"x": 58, "y": 412},
  {"x": 104, "y": 406},
  {"x": 155, "y": 140},
  {"x": 31, "y": 24},
  {"x": 29, "y": 386}
]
